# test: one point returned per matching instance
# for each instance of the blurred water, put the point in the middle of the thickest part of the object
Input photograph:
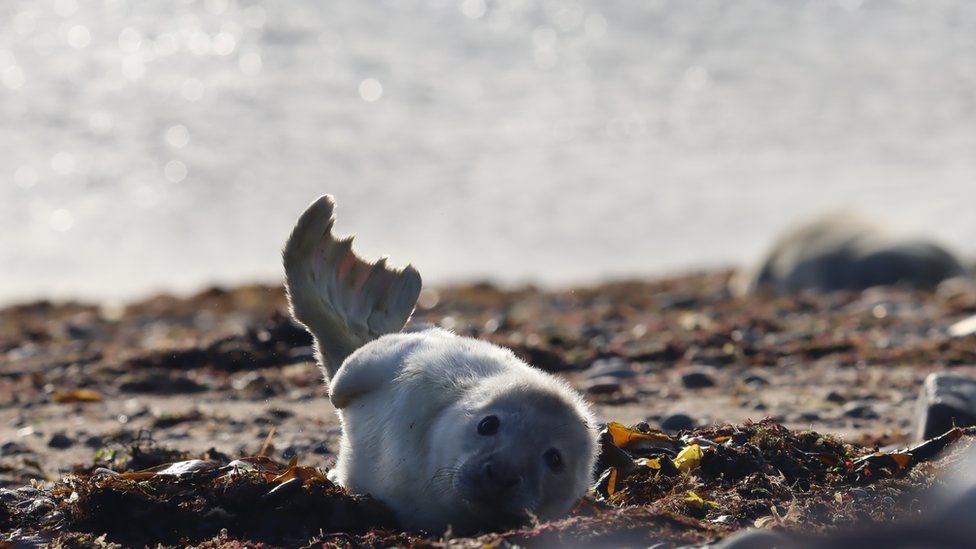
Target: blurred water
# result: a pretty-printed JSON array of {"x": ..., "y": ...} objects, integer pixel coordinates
[{"x": 167, "y": 144}]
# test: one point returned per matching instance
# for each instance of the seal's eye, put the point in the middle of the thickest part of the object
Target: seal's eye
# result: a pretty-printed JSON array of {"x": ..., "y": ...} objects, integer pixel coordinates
[
  {"x": 488, "y": 426},
  {"x": 553, "y": 459}
]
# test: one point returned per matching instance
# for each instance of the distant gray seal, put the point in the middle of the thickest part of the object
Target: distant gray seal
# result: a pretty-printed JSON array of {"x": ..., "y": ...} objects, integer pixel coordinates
[
  {"x": 446, "y": 430},
  {"x": 845, "y": 252}
]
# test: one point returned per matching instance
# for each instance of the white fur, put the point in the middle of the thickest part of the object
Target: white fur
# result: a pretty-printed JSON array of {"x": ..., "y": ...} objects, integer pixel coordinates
[
  {"x": 395, "y": 390},
  {"x": 409, "y": 403}
]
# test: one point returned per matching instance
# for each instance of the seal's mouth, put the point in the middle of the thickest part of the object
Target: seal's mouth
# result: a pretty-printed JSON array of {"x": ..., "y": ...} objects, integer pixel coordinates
[
  {"x": 500, "y": 518},
  {"x": 499, "y": 513}
]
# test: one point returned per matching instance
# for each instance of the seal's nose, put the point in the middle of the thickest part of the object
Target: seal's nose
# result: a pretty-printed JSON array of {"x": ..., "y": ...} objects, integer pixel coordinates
[{"x": 498, "y": 476}]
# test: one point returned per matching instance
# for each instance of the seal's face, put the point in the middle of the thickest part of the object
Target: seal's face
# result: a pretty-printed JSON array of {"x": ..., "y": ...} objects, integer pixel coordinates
[{"x": 523, "y": 454}]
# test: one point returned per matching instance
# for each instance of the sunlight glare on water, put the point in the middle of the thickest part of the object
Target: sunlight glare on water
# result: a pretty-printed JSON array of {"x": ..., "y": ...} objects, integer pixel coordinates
[{"x": 170, "y": 144}]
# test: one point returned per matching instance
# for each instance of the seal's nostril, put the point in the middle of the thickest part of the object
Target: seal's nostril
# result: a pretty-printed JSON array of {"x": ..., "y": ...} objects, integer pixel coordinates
[{"x": 487, "y": 471}]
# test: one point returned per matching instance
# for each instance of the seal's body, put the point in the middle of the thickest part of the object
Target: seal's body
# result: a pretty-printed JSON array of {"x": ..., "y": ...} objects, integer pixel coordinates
[
  {"x": 844, "y": 252},
  {"x": 446, "y": 430}
]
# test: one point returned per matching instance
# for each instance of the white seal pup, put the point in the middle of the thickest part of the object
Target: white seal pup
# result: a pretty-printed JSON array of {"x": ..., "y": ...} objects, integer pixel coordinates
[
  {"x": 844, "y": 252},
  {"x": 448, "y": 431}
]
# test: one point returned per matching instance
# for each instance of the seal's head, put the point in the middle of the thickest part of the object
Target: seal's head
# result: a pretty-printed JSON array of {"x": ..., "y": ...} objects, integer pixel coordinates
[{"x": 514, "y": 451}]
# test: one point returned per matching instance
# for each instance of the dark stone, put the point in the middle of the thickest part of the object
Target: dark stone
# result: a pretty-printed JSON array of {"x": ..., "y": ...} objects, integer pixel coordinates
[
  {"x": 602, "y": 386},
  {"x": 678, "y": 422},
  {"x": 13, "y": 448},
  {"x": 254, "y": 385},
  {"x": 755, "y": 380},
  {"x": 320, "y": 449},
  {"x": 158, "y": 381},
  {"x": 180, "y": 434},
  {"x": 834, "y": 396},
  {"x": 591, "y": 332},
  {"x": 79, "y": 332},
  {"x": 94, "y": 441},
  {"x": 677, "y": 301},
  {"x": 280, "y": 413},
  {"x": 808, "y": 416},
  {"x": 300, "y": 355},
  {"x": 697, "y": 379},
  {"x": 945, "y": 401},
  {"x": 266, "y": 419},
  {"x": 859, "y": 410},
  {"x": 60, "y": 441},
  {"x": 610, "y": 367}
]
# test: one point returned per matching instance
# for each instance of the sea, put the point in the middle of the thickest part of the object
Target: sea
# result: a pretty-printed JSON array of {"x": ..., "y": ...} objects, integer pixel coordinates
[{"x": 169, "y": 145}]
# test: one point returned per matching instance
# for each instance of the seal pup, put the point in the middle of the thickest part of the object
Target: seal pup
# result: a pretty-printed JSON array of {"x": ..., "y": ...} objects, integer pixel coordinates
[
  {"x": 845, "y": 252},
  {"x": 448, "y": 431}
]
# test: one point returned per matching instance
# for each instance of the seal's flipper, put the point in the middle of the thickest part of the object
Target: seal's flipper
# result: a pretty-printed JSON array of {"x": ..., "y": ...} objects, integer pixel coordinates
[{"x": 343, "y": 300}]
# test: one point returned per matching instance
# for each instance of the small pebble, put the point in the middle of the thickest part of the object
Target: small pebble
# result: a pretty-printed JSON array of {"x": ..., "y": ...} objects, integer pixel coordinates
[
  {"x": 677, "y": 422},
  {"x": 12, "y": 448},
  {"x": 602, "y": 386},
  {"x": 610, "y": 367},
  {"x": 280, "y": 413},
  {"x": 299, "y": 355},
  {"x": 860, "y": 411},
  {"x": 834, "y": 396},
  {"x": 79, "y": 332},
  {"x": 755, "y": 380},
  {"x": 178, "y": 434},
  {"x": 60, "y": 441},
  {"x": 697, "y": 379},
  {"x": 320, "y": 449},
  {"x": 808, "y": 416},
  {"x": 94, "y": 441}
]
